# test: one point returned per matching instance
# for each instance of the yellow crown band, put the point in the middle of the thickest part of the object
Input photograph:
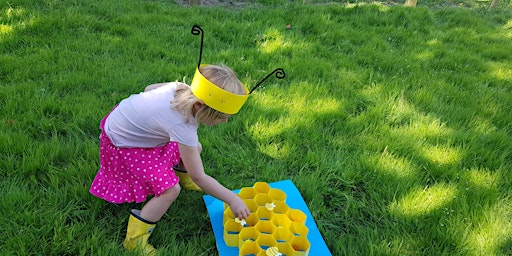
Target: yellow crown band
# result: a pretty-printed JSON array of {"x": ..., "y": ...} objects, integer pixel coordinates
[{"x": 215, "y": 97}]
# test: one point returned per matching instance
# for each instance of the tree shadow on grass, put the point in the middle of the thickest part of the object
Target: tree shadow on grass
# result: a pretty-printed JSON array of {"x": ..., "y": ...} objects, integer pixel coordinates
[
  {"x": 384, "y": 109},
  {"x": 418, "y": 144}
]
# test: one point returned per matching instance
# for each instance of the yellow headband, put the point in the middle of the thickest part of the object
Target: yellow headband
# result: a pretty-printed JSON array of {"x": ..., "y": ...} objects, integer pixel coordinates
[{"x": 215, "y": 97}]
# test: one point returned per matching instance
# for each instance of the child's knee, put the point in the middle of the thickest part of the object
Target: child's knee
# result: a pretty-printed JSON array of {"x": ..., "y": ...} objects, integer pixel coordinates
[{"x": 172, "y": 192}]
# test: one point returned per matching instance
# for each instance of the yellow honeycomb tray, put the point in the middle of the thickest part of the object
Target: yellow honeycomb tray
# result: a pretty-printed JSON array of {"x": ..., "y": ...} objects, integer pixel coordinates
[
  {"x": 279, "y": 224},
  {"x": 271, "y": 223}
]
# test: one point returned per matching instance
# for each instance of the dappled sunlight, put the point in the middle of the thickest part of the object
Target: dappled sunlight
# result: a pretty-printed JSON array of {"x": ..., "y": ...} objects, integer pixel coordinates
[
  {"x": 301, "y": 110},
  {"x": 434, "y": 42},
  {"x": 425, "y": 55},
  {"x": 442, "y": 154},
  {"x": 272, "y": 41},
  {"x": 401, "y": 110},
  {"x": 12, "y": 13},
  {"x": 5, "y": 29},
  {"x": 394, "y": 166},
  {"x": 500, "y": 70},
  {"x": 381, "y": 5},
  {"x": 12, "y": 19},
  {"x": 349, "y": 75},
  {"x": 277, "y": 150},
  {"x": 111, "y": 37},
  {"x": 423, "y": 128},
  {"x": 373, "y": 92},
  {"x": 490, "y": 232},
  {"x": 413, "y": 123},
  {"x": 482, "y": 179},
  {"x": 424, "y": 201},
  {"x": 483, "y": 125},
  {"x": 400, "y": 244},
  {"x": 508, "y": 29}
]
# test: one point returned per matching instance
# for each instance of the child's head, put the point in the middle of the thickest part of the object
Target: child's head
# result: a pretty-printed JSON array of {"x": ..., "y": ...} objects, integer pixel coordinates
[{"x": 221, "y": 76}]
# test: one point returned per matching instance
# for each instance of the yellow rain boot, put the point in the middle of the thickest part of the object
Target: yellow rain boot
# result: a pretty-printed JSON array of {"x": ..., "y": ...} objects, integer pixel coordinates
[
  {"x": 138, "y": 233},
  {"x": 185, "y": 180}
]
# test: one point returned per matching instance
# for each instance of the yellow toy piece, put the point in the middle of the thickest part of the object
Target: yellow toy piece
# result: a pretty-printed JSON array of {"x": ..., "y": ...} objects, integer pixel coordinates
[
  {"x": 273, "y": 251},
  {"x": 242, "y": 222},
  {"x": 270, "y": 206}
]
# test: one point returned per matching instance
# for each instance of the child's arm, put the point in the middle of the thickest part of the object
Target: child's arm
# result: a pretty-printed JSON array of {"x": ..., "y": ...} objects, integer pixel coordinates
[{"x": 194, "y": 166}]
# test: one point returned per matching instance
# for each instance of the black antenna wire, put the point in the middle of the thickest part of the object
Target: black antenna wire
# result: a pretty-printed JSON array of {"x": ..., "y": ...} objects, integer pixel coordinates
[
  {"x": 196, "y": 30},
  {"x": 279, "y": 75}
]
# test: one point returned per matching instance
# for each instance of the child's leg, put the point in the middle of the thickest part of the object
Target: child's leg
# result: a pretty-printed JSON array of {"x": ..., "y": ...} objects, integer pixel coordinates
[{"x": 155, "y": 208}]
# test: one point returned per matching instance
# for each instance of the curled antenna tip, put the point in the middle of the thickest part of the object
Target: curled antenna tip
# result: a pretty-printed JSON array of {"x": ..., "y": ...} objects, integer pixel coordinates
[
  {"x": 196, "y": 29},
  {"x": 280, "y": 74}
]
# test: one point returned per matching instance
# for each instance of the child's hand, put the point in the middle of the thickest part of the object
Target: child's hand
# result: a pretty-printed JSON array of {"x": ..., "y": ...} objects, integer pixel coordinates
[{"x": 239, "y": 209}]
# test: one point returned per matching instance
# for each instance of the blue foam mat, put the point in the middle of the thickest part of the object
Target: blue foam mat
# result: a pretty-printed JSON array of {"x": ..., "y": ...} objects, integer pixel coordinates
[{"x": 294, "y": 200}]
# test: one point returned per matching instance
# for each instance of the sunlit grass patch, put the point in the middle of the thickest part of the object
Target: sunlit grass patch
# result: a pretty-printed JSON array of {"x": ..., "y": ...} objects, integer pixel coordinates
[
  {"x": 442, "y": 154},
  {"x": 14, "y": 18},
  {"x": 271, "y": 41},
  {"x": 5, "y": 29},
  {"x": 501, "y": 71},
  {"x": 422, "y": 202},
  {"x": 481, "y": 183},
  {"x": 489, "y": 232},
  {"x": 395, "y": 167}
]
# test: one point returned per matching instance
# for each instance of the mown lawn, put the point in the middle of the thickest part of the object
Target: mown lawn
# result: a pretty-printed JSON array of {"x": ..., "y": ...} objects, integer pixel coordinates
[{"x": 394, "y": 123}]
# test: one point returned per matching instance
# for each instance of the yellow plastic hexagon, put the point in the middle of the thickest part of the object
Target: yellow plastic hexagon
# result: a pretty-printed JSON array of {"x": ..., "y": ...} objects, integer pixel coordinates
[
  {"x": 247, "y": 193},
  {"x": 296, "y": 215},
  {"x": 299, "y": 229},
  {"x": 281, "y": 207},
  {"x": 249, "y": 234},
  {"x": 277, "y": 194},
  {"x": 261, "y": 187},
  {"x": 263, "y": 214},
  {"x": 283, "y": 235},
  {"x": 253, "y": 206},
  {"x": 250, "y": 248},
  {"x": 252, "y": 220},
  {"x": 265, "y": 227},
  {"x": 285, "y": 249},
  {"x": 228, "y": 214},
  {"x": 266, "y": 240},
  {"x": 281, "y": 220},
  {"x": 231, "y": 231},
  {"x": 300, "y": 246},
  {"x": 262, "y": 199}
]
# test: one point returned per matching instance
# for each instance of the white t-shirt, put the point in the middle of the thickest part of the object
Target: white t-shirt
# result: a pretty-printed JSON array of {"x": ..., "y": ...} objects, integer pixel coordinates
[{"x": 146, "y": 120}]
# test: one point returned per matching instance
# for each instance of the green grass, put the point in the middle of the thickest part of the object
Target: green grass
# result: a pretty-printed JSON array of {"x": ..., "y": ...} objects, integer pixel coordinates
[{"x": 394, "y": 123}]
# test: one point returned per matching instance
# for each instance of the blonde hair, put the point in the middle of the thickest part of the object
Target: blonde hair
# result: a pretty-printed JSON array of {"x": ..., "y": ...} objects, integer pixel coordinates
[{"x": 221, "y": 76}]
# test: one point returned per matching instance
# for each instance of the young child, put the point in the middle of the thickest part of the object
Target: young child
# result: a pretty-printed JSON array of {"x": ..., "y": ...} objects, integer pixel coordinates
[{"x": 148, "y": 133}]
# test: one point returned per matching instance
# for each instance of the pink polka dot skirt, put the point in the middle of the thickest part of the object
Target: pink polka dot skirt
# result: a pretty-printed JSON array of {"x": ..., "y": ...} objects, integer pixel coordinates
[{"x": 132, "y": 174}]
